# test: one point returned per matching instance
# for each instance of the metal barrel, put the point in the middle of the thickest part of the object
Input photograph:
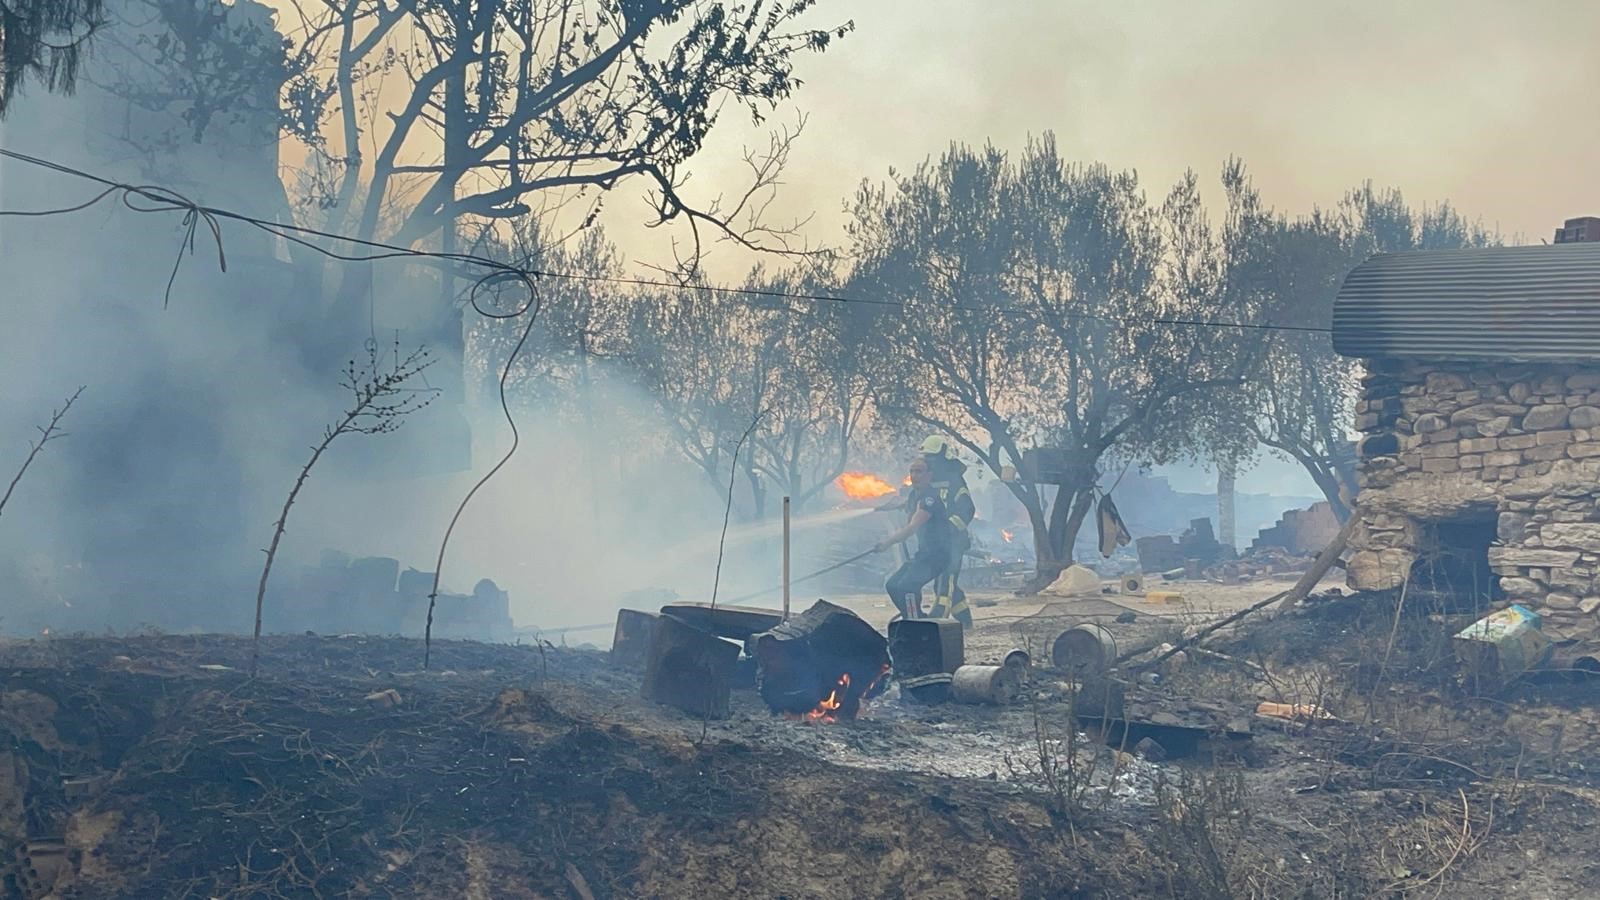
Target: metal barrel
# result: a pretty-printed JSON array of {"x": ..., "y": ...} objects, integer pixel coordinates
[
  {"x": 983, "y": 684},
  {"x": 1087, "y": 648}
]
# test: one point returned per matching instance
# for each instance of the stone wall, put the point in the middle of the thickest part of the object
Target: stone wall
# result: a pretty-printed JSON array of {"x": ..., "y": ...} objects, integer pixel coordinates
[
  {"x": 1518, "y": 445},
  {"x": 1303, "y": 532}
]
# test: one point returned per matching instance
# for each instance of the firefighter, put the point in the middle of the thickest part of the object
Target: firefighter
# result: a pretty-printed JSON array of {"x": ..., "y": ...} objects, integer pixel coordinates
[
  {"x": 949, "y": 481},
  {"x": 930, "y": 523}
]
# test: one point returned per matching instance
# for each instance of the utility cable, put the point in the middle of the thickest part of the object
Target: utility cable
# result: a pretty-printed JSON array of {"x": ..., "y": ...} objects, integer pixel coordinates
[{"x": 164, "y": 200}]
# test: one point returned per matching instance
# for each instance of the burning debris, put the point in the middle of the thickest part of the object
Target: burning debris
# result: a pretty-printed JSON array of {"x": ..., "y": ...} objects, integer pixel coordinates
[{"x": 825, "y": 660}]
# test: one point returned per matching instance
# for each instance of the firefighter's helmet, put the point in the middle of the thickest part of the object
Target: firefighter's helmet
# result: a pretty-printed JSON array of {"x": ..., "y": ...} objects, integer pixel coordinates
[{"x": 936, "y": 445}]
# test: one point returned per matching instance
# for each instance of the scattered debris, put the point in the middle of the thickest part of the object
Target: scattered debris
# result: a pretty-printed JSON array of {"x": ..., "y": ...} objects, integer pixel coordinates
[
  {"x": 1074, "y": 581},
  {"x": 1258, "y": 563},
  {"x": 927, "y": 689},
  {"x": 84, "y": 786},
  {"x": 689, "y": 668},
  {"x": 579, "y": 884},
  {"x": 1294, "y": 712},
  {"x": 825, "y": 655},
  {"x": 387, "y": 697},
  {"x": 1504, "y": 645},
  {"x": 1161, "y": 553},
  {"x": 39, "y": 866}
]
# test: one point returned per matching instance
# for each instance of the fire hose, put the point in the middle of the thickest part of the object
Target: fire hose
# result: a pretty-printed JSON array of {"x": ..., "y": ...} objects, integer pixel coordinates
[{"x": 817, "y": 574}]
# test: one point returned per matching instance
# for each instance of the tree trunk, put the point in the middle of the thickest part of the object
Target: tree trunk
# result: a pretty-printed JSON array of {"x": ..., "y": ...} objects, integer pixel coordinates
[
  {"x": 1053, "y": 544},
  {"x": 1067, "y": 537},
  {"x": 1329, "y": 482},
  {"x": 1227, "y": 479},
  {"x": 758, "y": 495},
  {"x": 1046, "y": 564}
]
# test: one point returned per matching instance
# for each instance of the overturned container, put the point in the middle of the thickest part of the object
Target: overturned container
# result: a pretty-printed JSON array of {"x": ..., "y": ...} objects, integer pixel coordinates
[
  {"x": 1018, "y": 660},
  {"x": 925, "y": 646},
  {"x": 984, "y": 684},
  {"x": 1504, "y": 645},
  {"x": 1086, "y": 649}
]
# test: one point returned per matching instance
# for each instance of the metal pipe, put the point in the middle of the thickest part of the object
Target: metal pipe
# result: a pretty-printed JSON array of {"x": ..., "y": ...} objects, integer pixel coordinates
[{"x": 786, "y": 559}]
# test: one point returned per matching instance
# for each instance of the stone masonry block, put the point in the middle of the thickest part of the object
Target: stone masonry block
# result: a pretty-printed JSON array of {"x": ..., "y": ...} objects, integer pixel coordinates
[
  {"x": 1545, "y": 417},
  {"x": 1510, "y": 557},
  {"x": 1577, "y": 535}
]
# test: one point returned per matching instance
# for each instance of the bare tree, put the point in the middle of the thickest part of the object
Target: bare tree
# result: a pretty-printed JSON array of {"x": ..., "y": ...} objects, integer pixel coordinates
[
  {"x": 509, "y": 100},
  {"x": 380, "y": 401},
  {"x": 708, "y": 358},
  {"x": 698, "y": 354},
  {"x": 47, "y": 433},
  {"x": 816, "y": 390}
]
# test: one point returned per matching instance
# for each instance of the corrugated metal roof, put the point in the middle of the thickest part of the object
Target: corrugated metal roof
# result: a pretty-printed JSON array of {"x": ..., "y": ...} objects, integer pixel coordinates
[{"x": 1497, "y": 303}]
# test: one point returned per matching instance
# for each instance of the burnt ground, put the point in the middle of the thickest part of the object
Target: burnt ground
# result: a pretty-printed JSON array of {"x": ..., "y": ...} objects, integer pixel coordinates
[{"x": 159, "y": 769}]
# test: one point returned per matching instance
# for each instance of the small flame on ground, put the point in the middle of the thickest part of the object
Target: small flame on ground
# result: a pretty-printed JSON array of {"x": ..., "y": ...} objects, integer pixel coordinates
[
  {"x": 1007, "y": 535},
  {"x": 825, "y": 711},
  {"x": 863, "y": 485}
]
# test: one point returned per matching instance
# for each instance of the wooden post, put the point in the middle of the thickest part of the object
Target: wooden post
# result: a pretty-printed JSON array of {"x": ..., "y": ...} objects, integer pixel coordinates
[
  {"x": 1301, "y": 589},
  {"x": 786, "y": 559}
]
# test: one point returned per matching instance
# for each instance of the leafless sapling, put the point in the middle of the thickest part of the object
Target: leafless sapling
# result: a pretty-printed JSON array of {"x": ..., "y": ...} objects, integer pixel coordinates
[
  {"x": 47, "y": 434},
  {"x": 380, "y": 401}
]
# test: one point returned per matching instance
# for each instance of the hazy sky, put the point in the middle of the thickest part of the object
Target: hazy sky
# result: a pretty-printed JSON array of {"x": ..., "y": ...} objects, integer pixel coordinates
[
  {"x": 1493, "y": 105},
  {"x": 1490, "y": 104}
]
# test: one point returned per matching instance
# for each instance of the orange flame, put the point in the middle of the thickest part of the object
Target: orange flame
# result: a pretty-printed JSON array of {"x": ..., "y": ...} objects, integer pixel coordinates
[
  {"x": 863, "y": 486},
  {"x": 826, "y": 709},
  {"x": 1007, "y": 535}
]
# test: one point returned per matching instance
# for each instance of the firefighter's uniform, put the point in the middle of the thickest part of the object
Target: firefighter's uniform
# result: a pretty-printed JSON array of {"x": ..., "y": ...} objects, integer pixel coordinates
[{"x": 950, "y": 484}]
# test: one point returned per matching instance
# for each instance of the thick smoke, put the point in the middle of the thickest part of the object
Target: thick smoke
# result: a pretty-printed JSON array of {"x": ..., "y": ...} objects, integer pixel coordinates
[{"x": 202, "y": 404}]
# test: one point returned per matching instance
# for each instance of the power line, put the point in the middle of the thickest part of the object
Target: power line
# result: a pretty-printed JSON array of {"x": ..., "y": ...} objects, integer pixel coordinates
[{"x": 161, "y": 199}]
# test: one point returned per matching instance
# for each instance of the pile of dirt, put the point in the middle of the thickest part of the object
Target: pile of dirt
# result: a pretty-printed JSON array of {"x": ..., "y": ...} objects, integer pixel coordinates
[{"x": 165, "y": 775}]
